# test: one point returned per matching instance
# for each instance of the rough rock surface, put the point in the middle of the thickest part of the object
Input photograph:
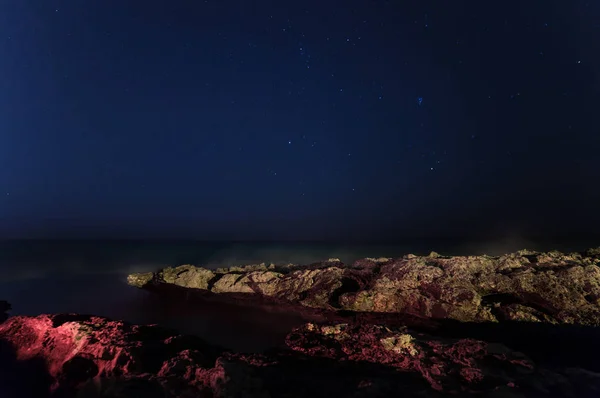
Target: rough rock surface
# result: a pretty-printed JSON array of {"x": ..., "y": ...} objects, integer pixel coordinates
[
  {"x": 448, "y": 365},
  {"x": 552, "y": 287},
  {"x": 86, "y": 356}
]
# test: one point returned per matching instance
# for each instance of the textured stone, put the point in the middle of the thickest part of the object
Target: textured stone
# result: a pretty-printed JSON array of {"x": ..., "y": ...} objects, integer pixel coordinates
[
  {"x": 550, "y": 287},
  {"x": 87, "y": 356}
]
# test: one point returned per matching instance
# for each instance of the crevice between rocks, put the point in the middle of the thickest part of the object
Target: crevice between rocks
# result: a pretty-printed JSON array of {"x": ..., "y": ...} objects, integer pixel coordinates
[
  {"x": 211, "y": 283},
  {"x": 349, "y": 285},
  {"x": 497, "y": 303}
]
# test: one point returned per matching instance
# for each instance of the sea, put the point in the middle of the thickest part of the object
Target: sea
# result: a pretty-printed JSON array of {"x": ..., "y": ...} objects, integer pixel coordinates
[{"x": 89, "y": 277}]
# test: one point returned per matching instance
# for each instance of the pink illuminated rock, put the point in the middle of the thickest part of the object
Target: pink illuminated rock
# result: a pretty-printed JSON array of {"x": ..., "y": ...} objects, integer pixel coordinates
[{"x": 87, "y": 356}]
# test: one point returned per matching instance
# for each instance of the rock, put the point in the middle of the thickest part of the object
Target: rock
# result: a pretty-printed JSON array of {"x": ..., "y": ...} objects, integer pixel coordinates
[
  {"x": 88, "y": 356},
  {"x": 77, "y": 349},
  {"x": 187, "y": 276},
  {"x": 529, "y": 286},
  {"x": 140, "y": 279},
  {"x": 4, "y": 308},
  {"x": 455, "y": 366}
]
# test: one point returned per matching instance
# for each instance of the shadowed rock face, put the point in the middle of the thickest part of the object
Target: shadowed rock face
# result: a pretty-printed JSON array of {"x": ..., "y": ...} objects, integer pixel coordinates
[
  {"x": 551, "y": 287},
  {"x": 88, "y": 356}
]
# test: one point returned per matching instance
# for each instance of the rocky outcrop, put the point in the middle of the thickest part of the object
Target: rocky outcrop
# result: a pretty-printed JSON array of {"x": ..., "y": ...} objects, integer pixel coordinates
[
  {"x": 88, "y": 356},
  {"x": 552, "y": 287},
  {"x": 455, "y": 366},
  {"x": 4, "y": 308},
  {"x": 76, "y": 349}
]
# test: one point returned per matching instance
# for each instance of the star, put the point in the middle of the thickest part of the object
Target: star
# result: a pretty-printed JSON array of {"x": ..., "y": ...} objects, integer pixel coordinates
[{"x": 257, "y": 89}]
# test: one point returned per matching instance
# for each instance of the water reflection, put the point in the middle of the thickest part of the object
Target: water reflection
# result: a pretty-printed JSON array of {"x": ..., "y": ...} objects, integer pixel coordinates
[{"x": 241, "y": 328}]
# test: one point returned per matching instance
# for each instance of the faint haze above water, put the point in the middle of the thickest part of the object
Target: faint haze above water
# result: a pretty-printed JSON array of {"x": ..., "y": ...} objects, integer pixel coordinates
[{"x": 29, "y": 259}]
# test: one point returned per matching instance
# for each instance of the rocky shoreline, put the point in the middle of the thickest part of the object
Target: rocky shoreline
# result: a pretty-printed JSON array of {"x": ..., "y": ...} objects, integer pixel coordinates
[
  {"x": 520, "y": 325},
  {"x": 551, "y": 287}
]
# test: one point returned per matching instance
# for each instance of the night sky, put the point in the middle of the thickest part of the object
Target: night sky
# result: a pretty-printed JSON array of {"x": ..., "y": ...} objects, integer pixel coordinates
[{"x": 299, "y": 120}]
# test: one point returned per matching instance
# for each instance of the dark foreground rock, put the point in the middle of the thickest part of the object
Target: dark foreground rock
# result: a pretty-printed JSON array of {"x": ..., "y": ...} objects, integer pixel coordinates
[
  {"x": 552, "y": 287},
  {"x": 86, "y": 356}
]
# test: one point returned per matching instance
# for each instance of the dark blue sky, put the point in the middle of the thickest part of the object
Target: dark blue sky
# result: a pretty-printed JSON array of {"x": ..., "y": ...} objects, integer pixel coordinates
[{"x": 299, "y": 120}]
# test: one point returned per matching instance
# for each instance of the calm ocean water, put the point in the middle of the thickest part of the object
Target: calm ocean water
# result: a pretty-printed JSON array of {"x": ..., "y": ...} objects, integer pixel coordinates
[{"x": 89, "y": 277}]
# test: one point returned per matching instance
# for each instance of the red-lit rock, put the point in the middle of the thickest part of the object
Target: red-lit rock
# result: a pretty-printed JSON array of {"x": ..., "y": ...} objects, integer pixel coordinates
[
  {"x": 459, "y": 365},
  {"x": 88, "y": 356},
  {"x": 77, "y": 349},
  {"x": 551, "y": 287}
]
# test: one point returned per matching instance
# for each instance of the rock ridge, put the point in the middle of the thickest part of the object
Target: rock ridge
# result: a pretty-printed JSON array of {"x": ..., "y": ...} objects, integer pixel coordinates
[{"x": 549, "y": 287}]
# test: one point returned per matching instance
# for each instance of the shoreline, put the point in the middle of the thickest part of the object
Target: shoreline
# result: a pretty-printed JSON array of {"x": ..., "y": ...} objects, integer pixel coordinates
[{"x": 496, "y": 337}]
